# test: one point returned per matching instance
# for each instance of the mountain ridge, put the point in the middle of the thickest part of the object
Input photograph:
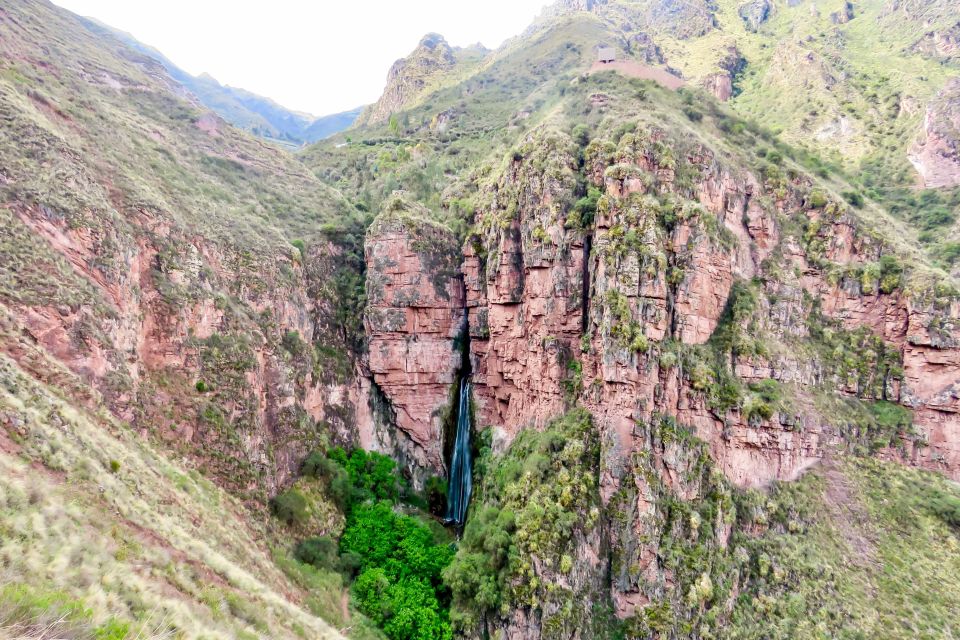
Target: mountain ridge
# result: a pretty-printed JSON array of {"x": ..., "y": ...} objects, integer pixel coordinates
[{"x": 245, "y": 109}]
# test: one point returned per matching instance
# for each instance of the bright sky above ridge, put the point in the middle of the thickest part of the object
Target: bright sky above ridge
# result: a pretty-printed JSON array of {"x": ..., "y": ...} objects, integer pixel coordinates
[{"x": 319, "y": 57}]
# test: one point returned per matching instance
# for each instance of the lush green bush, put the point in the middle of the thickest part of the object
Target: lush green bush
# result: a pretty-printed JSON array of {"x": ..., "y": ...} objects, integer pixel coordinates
[
  {"x": 853, "y": 197},
  {"x": 817, "y": 199},
  {"x": 890, "y": 416},
  {"x": 395, "y": 558},
  {"x": 293, "y": 344},
  {"x": 581, "y": 134},
  {"x": 399, "y": 585},
  {"x": 300, "y": 246},
  {"x": 891, "y": 274},
  {"x": 585, "y": 209},
  {"x": 373, "y": 475}
]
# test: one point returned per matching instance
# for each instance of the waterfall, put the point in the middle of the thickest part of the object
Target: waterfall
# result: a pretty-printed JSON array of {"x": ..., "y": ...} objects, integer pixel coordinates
[{"x": 461, "y": 482}]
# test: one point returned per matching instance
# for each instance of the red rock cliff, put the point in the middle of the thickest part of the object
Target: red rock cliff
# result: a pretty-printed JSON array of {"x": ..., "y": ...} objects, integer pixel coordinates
[{"x": 415, "y": 313}]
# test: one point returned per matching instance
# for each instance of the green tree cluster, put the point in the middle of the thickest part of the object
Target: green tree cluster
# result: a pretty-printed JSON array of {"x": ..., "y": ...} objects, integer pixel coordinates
[{"x": 394, "y": 559}]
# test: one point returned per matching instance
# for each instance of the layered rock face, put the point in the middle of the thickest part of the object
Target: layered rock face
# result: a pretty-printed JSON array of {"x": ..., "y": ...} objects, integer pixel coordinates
[
  {"x": 409, "y": 76},
  {"x": 536, "y": 349},
  {"x": 622, "y": 314},
  {"x": 936, "y": 154},
  {"x": 156, "y": 338},
  {"x": 414, "y": 317}
]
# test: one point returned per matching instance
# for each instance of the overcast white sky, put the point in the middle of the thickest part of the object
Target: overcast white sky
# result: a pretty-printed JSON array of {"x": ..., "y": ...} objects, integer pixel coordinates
[{"x": 318, "y": 56}]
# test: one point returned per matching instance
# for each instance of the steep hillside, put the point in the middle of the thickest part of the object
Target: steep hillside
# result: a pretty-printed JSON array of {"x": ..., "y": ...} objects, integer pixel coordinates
[
  {"x": 178, "y": 303},
  {"x": 257, "y": 114},
  {"x": 103, "y": 537},
  {"x": 189, "y": 272},
  {"x": 709, "y": 373}
]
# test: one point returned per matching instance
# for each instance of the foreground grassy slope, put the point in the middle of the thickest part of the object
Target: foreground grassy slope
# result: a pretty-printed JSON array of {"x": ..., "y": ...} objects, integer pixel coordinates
[{"x": 102, "y": 536}]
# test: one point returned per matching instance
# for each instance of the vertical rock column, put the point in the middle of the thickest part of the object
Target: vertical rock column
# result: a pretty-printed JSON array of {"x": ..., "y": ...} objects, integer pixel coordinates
[{"x": 415, "y": 311}]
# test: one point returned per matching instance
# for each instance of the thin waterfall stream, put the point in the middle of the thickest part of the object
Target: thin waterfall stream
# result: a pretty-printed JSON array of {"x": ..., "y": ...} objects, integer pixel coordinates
[{"x": 461, "y": 482}]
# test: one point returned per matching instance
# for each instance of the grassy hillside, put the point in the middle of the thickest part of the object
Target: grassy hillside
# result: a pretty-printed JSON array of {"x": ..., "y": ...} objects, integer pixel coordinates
[
  {"x": 102, "y": 536},
  {"x": 858, "y": 548}
]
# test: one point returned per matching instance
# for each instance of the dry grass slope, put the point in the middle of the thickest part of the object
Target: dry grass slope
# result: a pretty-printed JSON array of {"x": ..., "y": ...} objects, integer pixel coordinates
[{"x": 99, "y": 531}]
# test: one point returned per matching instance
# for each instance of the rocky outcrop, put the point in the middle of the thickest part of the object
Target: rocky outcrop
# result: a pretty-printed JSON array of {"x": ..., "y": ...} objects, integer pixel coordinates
[
  {"x": 409, "y": 76},
  {"x": 561, "y": 314},
  {"x": 645, "y": 48},
  {"x": 844, "y": 15},
  {"x": 936, "y": 154},
  {"x": 721, "y": 83},
  {"x": 525, "y": 290},
  {"x": 943, "y": 44},
  {"x": 755, "y": 13},
  {"x": 414, "y": 318},
  {"x": 626, "y": 314}
]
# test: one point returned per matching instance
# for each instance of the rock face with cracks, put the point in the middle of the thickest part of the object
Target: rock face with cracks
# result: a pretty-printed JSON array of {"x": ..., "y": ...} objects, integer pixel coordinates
[{"x": 414, "y": 317}]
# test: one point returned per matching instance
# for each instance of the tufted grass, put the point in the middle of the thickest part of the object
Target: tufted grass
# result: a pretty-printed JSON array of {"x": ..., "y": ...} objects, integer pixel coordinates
[{"x": 98, "y": 528}]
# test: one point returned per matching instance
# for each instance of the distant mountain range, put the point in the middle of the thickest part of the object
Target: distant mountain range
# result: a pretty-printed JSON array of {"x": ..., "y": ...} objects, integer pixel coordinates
[{"x": 257, "y": 114}]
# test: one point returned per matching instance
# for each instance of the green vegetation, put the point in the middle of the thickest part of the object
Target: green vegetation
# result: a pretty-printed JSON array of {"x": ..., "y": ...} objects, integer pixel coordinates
[
  {"x": 398, "y": 583},
  {"x": 394, "y": 560},
  {"x": 290, "y": 507},
  {"x": 860, "y": 549},
  {"x": 30, "y": 613},
  {"x": 532, "y": 504}
]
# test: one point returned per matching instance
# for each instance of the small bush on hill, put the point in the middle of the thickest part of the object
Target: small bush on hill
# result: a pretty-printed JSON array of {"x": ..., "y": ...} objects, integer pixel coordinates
[
  {"x": 290, "y": 507},
  {"x": 947, "y": 508},
  {"x": 320, "y": 552}
]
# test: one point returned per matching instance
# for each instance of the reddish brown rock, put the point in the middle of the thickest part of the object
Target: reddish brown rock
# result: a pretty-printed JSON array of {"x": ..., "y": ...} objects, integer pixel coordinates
[
  {"x": 936, "y": 154},
  {"x": 415, "y": 312}
]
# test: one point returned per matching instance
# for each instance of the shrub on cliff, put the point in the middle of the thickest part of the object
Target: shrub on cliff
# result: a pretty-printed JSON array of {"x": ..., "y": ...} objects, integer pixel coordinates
[
  {"x": 320, "y": 552},
  {"x": 290, "y": 507},
  {"x": 373, "y": 475},
  {"x": 533, "y": 501}
]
